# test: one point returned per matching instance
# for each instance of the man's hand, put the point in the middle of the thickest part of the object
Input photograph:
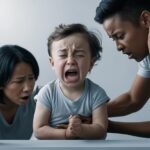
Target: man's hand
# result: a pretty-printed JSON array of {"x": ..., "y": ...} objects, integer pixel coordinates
[
  {"x": 85, "y": 119},
  {"x": 62, "y": 126},
  {"x": 110, "y": 123}
]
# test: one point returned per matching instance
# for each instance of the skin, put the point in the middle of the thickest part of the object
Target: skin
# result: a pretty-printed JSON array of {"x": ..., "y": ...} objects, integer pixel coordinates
[
  {"x": 84, "y": 119},
  {"x": 17, "y": 91},
  {"x": 126, "y": 35},
  {"x": 135, "y": 42},
  {"x": 76, "y": 129},
  {"x": 71, "y": 54}
]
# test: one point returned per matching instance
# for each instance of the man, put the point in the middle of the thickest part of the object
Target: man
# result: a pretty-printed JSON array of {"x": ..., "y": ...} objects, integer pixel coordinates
[{"x": 128, "y": 24}]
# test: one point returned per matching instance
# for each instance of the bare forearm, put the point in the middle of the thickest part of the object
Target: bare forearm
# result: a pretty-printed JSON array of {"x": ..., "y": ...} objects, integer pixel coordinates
[
  {"x": 92, "y": 131},
  {"x": 131, "y": 101},
  {"x": 122, "y": 105},
  {"x": 141, "y": 129},
  {"x": 47, "y": 132}
]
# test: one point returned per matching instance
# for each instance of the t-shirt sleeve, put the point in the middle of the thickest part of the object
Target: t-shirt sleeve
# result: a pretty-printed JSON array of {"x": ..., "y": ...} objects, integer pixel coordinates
[
  {"x": 99, "y": 96},
  {"x": 44, "y": 96},
  {"x": 144, "y": 67},
  {"x": 35, "y": 92}
]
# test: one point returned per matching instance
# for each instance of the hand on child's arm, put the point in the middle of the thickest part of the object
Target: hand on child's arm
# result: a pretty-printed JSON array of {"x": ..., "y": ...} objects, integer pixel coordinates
[
  {"x": 85, "y": 119},
  {"x": 62, "y": 126}
]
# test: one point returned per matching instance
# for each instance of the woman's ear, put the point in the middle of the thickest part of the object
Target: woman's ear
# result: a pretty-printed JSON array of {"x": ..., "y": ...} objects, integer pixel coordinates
[{"x": 145, "y": 18}]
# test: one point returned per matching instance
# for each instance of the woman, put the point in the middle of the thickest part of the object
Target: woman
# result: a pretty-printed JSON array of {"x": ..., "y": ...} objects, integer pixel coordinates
[{"x": 18, "y": 72}]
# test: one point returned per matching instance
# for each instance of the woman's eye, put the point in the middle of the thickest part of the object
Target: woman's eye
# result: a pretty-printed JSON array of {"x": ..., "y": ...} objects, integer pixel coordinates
[
  {"x": 19, "y": 81},
  {"x": 80, "y": 55},
  {"x": 31, "y": 78}
]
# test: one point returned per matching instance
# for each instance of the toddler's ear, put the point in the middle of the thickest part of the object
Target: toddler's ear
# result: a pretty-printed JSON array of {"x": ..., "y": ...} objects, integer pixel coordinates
[
  {"x": 92, "y": 63},
  {"x": 51, "y": 61}
]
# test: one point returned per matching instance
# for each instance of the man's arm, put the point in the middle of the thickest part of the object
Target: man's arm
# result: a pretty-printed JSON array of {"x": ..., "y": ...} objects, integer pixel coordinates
[
  {"x": 141, "y": 129},
  {"x": 131, "y": 101}
]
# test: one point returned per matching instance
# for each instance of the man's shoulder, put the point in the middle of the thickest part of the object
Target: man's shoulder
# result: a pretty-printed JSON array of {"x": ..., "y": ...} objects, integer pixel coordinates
[{"x": 144, "y": 67}]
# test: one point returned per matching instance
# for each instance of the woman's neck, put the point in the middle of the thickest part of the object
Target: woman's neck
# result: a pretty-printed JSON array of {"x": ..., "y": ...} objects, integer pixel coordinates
[{"x": 8, "y": 110}]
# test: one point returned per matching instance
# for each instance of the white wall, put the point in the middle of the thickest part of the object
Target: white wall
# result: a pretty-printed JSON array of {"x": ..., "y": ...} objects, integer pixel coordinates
[{"x": 29, "y": 22}]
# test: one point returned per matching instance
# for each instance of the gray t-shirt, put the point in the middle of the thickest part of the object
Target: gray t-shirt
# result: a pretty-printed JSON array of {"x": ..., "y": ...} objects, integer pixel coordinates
[
  {"x": 61, "y": 107},
  {"x": 21, "y": 127},
  {"x": 144, "y": 67}
]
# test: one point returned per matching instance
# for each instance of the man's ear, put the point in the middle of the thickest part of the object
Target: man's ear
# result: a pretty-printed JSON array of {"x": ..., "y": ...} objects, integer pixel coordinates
[{"x": 145, "y": 18}]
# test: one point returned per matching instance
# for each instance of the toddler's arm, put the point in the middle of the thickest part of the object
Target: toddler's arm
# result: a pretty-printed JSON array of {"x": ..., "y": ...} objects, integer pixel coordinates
[
  {"x": 41, "y": 127},
  {"x": 97, "y": 129}
]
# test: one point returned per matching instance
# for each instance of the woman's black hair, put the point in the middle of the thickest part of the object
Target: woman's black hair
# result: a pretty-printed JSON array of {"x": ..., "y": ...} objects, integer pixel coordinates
[{"x": 10, "y": 56}]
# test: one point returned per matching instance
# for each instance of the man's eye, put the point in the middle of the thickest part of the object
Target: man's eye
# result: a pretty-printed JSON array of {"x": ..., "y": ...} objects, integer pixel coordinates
[
  {"x": 113, "y": 38},
  {"x": 120, "y": 36}
]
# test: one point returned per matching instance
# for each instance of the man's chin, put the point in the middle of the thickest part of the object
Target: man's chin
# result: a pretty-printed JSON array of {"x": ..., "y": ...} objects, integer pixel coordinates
[{"x": 139, "y": 59}]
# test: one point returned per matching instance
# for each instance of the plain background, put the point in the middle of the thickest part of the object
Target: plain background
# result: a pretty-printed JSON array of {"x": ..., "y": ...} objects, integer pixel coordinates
[{"x": 28, "y": 23}]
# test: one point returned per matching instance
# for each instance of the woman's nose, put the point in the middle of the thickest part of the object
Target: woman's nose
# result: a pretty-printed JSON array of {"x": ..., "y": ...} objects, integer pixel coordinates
[{"x": 28, "y": 86}]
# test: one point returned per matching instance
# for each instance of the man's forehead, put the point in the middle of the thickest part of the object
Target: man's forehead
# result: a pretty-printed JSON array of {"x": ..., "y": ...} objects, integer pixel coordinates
[{"x": 111, "y": 24}]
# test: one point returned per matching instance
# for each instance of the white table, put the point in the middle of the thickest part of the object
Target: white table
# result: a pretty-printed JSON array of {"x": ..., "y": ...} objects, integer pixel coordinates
[{"x": 75, "y": 144}]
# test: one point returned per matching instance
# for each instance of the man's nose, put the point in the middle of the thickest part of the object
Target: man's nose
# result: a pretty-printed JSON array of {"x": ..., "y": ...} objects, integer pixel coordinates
[{"x": 119, "y": 46}]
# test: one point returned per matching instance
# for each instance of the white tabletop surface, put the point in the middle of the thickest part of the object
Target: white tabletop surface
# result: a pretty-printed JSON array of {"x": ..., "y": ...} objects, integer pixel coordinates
[{"x": 75, "y": 144}]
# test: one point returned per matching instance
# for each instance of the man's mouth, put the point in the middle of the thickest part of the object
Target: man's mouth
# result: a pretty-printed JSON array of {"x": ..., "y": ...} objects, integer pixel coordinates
[{"x": 130, "y": 55}]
